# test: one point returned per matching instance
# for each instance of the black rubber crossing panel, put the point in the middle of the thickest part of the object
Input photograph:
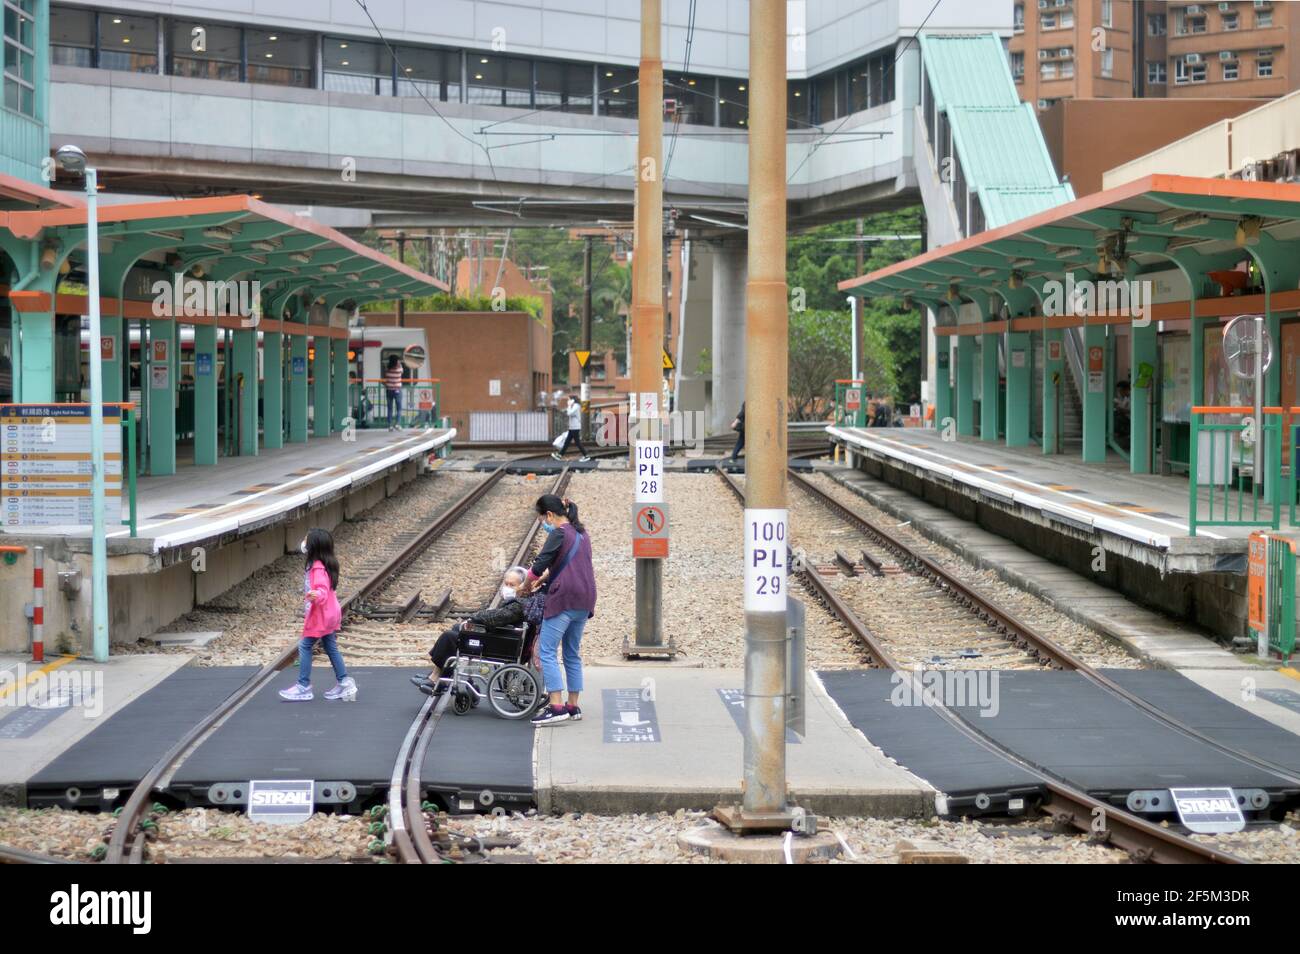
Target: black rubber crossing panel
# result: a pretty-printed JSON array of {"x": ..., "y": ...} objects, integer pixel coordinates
[
  {"x": 479, "y": 761},
  {"x": 118, "y": 752},
  {"x": 1062, "y": 723},
  {"x": 322, "y": 740},
  {"x": 921, "y": 740},
  {"x": 1208, "y": 713}
]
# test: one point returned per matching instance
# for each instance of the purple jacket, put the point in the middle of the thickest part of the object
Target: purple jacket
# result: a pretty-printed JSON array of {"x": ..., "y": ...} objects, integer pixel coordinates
[{"x": 574, "y": 587}]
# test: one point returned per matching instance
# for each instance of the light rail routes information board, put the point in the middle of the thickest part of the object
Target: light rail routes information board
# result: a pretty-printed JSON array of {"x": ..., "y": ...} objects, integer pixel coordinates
[{"x": 45, "y": 455}]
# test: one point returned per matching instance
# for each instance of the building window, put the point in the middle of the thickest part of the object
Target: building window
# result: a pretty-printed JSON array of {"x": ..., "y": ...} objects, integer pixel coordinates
[
  {"x": 20, "y": 56},
  {"x": 1157, "y": 74},
  {"x": 695, "y": 96},
  {"x": 564, "y": 87},
  {"x": 1263, "y": 19},
  {"x": 279, "y": 58},
  {"x": 733, "y": 102},
  {"x": 1067, "y": 69},
  {"x": 1230, "y": 21},
  {"x": 1018, "y": 18},
  {"x": 72, "y": 37},
  {"x": 1185, "y": 72},
  {"x": 1018, "y": 65},
  {"x": 1264, "y": 67},
  {"x": 823, "y": 105},
  {"x": 1230, "y": 70},
  {"x": 128, "y": 43},
  {"x": 1106, "y": 13},
  {"x": 1047, "y": 21},
  {"x": 1047, "y": 71},
  {"x": 496, "y": 80},
  {"x": 355, "y": 66},
  {"x": 218, "y": 54},
  {"x": 1107, "y": 62},
  {"x": 618, "y": 90},
  {"x": 434, "y": 74},
  {"x": 1156, "y": 24},
  {"x": 1196, "y": 24},
  {"x": 1067, "y": 19},
  {"x": 796, "y": 104}
]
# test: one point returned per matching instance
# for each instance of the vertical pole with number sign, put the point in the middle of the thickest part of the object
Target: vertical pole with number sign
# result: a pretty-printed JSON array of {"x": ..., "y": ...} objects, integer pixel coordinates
[{"x": 766, "y": 392}]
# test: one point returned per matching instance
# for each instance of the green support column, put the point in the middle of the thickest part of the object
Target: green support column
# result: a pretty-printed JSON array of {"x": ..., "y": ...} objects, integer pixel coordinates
[
  {"x": 205, "y": 395},
  {"x": 36, "y": 367},
  {"x": 321, "y": 388},
  {"x": 1142, "y": 361},
  {"x": 298, "y": 389},
  {"x": 1019, "y": 384},
  {"x": 110, "y": 332},
  {"x": 340, "y": 356},
  {"x": 965, "y": 381},
  {"x": 161, "y": 384},
  {"x": 245, "y": 363},
  {"x": 942, "y": 381},
  {"x": 1094, "y": 394},
  {"x": 272, "y": 390},
  {"x": 989, "y": 387},
  {"x": 1053, "y": 377}
]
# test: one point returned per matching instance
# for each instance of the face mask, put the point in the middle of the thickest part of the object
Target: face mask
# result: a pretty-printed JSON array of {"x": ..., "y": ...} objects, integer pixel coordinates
[
  {"x": 507, "y": 592},
  {"x": 548, "y": 525},
  {"x": 302, "y": 548}
]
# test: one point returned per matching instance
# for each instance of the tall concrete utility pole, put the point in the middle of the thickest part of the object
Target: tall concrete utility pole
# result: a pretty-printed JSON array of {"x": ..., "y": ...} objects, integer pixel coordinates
[
  {"x": 766, "y": 524},
  {"x": 647, "y": 302},
  {"x": 586, "y": 337}
]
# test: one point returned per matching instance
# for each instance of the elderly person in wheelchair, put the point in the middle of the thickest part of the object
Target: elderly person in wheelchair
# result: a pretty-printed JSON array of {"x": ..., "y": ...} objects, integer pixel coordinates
[{"x": 488, "y": 655}]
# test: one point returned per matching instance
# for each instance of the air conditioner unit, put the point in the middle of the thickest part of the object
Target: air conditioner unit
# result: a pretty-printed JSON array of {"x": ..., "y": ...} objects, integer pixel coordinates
[
  {"x": 1225, "y": 8},
  {"x": 1065, "y": 52},
  {"x": 1044, "y": 54},
  {"x": 1193, "y": 58},
  {"x": 1042, "y": 4},
  {"x": 1193, "y": 9},
  {"x": 1061, "y": 3},
  {"x": 1226, "y": 56}
]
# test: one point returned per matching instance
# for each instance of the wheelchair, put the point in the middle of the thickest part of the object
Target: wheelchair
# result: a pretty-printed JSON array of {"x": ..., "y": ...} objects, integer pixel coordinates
[{"x": 492, "y": 663}]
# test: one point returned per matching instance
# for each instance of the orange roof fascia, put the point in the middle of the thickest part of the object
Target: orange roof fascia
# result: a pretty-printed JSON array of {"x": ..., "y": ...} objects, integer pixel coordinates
[
  {"x": 1159, "y": 182},
  {"x": 28, "y": 225},
  {"x": 25, "y": 191}
]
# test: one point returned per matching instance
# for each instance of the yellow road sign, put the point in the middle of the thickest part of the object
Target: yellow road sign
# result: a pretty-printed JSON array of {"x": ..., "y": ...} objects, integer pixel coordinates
[
  {"x": 668, "y": 362},
  {"x": 583, "y": 358}
]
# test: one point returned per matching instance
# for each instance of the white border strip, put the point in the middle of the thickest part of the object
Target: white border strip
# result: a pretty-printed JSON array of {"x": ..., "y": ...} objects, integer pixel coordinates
[{"x": 1033, "y": 501}]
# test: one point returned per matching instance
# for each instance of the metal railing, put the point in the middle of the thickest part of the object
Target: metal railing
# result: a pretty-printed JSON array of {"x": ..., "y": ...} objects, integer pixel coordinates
[
  {"x": 420, "y": 400},
  {"x": 1224, "y": 489}
]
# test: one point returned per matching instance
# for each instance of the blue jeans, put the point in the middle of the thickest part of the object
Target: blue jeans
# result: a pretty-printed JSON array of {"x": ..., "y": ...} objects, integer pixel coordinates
[
  {"x": 394, "y": 407},
  {"x": 562, "y": 629},
  {"x": 329, "y": 643}
]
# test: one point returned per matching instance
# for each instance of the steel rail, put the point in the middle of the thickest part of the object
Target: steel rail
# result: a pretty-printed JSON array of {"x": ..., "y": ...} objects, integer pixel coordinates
[
  {"x": 126, "y": 845},
  {"x": 1062, "y": 800}
]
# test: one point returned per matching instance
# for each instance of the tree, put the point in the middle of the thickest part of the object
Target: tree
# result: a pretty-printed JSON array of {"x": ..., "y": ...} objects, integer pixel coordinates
[{"x": 820, "y": 348}]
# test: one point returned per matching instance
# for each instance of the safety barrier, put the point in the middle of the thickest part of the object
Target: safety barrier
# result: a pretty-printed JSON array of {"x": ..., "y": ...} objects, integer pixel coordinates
[
  {"x": 1224, "y": 490},
  {"x": 421, "y": 399},
  {"x": 850, "y": 402},
  {"x": 1281, "y": 596}
]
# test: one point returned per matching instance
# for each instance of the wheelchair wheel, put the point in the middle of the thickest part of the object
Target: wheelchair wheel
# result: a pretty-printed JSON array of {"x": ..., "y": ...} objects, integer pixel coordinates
[
  {"x": 461, "y": 703},
  {"x": 514, "y": 692}
]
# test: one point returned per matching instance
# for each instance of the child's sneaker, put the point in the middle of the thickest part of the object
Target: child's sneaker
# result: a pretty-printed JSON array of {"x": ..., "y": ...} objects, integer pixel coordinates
[
  {"x": 575, "y": 714},
  {"x": 555, "y": 456},
  {"x": 551, "y": 715},
  {"x": 345, "y": 690},
  {"x": 297, "y": 693}
]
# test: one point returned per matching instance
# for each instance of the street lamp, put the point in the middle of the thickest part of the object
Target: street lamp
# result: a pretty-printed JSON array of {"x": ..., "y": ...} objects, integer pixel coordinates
[{"x": 73, "y": 161}]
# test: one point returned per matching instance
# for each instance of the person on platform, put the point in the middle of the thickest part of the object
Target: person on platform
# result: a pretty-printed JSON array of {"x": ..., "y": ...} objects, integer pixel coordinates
[
  {"x": 322, "y": 617},
  {"x": 1123, "y": 410},
  {"x": 393, "y": 386},
  {"x": 512, "y": 611},
  {"x": 738, "y": 425},
  {"x": 574, "y": 436},
  {"x": 563, "y": 573}
]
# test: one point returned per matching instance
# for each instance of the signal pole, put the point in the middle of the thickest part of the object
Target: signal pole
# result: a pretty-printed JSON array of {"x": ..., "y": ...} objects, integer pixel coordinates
[
  {"x": 647, "y": 304},
  {"x": 586, "y": 336}
]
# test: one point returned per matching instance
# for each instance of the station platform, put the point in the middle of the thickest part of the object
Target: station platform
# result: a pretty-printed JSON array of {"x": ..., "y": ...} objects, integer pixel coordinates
[
  {"x": 1072, "y": 513},
  {"x": 242, "y": 514}
]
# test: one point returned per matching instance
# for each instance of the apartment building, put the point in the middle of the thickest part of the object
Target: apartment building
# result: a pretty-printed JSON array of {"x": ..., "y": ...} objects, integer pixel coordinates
[{"x": 1095, "y": 49}]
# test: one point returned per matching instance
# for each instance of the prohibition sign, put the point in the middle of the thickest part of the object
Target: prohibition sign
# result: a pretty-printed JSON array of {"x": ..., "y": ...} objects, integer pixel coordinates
[{"x": 650, "y": 520}]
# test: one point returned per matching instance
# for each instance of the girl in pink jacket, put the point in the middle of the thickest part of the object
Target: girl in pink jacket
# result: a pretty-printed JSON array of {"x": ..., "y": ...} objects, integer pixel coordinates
[{"x": 322, "y": 619}]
